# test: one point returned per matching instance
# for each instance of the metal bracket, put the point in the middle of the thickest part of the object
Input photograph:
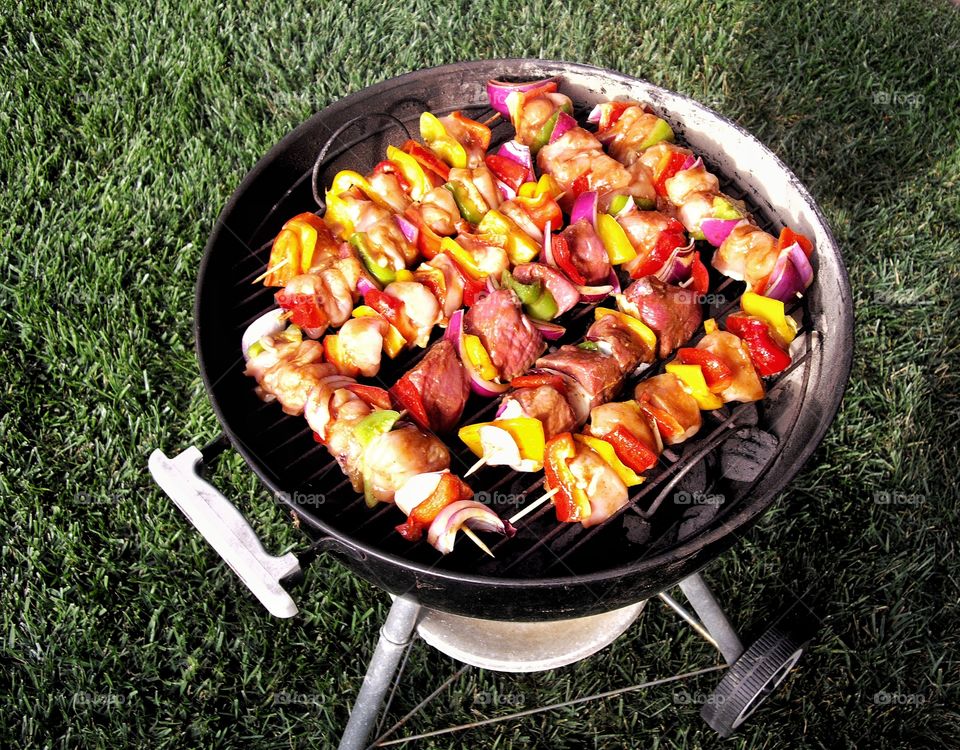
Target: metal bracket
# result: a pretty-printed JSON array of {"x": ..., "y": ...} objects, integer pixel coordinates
[{"x": 226, "y": 529}]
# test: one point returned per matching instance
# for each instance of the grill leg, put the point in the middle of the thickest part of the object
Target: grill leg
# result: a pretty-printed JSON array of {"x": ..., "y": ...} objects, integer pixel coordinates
[
  {"x": 395, "y": 636},
  {"x": 712, "y": 616}
]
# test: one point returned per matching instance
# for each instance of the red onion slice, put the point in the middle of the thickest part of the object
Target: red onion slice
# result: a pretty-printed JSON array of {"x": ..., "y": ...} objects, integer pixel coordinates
[
  {"x": 477, "y": 516},
  {"x": 564, "y": 123},
  {"x": 715, "y": 231},
  {"x": 791, "y": 274},
  {"x": 550, "y": 331},
  {"x": 498, "y": 91},
  {"x": 594, "y": 293},
  {"x": 585, "y": 207},
  {"x": 517, "y": 152},
  {"x": 365, "y": 284},
  {"x": 547, "y": 252},
  {"x": 410, "y": 230}
]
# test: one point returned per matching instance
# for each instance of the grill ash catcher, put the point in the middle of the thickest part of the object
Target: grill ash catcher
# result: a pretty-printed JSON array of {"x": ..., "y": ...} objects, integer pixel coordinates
[{"x": 505, "y": 614}]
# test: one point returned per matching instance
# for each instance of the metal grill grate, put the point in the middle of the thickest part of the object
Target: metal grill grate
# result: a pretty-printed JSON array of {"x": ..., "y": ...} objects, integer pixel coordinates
[{"x": 315, "y": 487}]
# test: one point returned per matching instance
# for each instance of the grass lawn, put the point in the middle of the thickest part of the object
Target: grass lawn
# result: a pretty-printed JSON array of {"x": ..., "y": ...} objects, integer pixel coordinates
[{"x": 128, "y": 125}]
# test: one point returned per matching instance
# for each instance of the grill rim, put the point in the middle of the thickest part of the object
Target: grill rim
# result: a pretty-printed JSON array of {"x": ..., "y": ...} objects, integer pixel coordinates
[{"x": 724, "y": 535}]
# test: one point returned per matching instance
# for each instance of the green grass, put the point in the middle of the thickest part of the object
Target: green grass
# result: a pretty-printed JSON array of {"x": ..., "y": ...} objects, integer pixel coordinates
[{"x": 125, "y": 131}]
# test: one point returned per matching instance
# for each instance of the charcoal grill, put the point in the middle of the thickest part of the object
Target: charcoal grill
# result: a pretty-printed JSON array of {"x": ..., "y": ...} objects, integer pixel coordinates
[{"x": 702, "y": 497}]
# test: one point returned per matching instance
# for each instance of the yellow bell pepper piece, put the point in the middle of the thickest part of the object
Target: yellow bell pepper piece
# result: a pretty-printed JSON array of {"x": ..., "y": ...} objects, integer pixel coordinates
[
  {"x": 337, "y": 214},
  {"x": 526, "y": 432},
  {"x": 546, "y": 184},
  {"x": 771, "y": 312},
  {"x": 608, "y": 454},
  {"x": 501, "y": 230},
  {"x": 619, "y": 247},
  {"x": 709, "y": 325},
  {"x": 412, "y": 171},
  {"x": 645, "y": 333},
  {"x": 347, "y": 179},
  {"x": 696, "y": 385},
  {"x": 462, "y": 256},
  {"x": 393, "y": 341},
  {"x": 440, "y": 142},
  {"x": 479, "y": 357},
  {"x": 404, "y": 275}
]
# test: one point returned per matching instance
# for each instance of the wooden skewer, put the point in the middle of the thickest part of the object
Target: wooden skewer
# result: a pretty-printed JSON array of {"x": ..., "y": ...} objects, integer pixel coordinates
[
  {"x": 492, "y": 119},
  {"x": 476, "y": 540},
  {"x": 270, "y": 270},
  {"x": 285, "y": 316},
  {"x": 534, "y": 505},
  {"x": 476, "y": 467}
]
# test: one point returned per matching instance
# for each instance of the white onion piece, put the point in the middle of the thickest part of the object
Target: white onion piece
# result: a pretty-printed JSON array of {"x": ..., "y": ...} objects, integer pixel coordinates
[
  {"x": 268, "y": 324},
  {"x": 417, "y": 489}
]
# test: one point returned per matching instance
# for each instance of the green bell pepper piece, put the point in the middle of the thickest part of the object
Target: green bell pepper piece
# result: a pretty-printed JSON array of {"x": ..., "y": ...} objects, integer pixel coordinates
[
  {"x": 590, "y": 346},
  {"x": 385, "y": 274},
  {"x": 724, "y": 209},
  {"x": 543, "y": 137},
  {"x": 373, "y": 425},
  {"x": 470, "y": 207},
  {"x": 544, "y": 307}
]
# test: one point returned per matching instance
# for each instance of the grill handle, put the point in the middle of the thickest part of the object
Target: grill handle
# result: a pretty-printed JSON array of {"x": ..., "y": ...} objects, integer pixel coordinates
[{"x": 225, "y": 528}]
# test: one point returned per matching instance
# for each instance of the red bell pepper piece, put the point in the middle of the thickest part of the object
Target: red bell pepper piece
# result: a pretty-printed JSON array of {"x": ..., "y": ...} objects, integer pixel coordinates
[
  {"x": 473, "y": 291},
  {"x": 450, "y": 489},
  {"x": 716, "y": 372},
  {"x": 571, "y": 502},
  {"x": 428, "y": 241},
  {"x": 788, "y": 237},
  {"x": 406, "y": 396},
  {"x": 564, "y": 260},
  {"x": 668, "y": 241},
  {"x": 388, "y": 167},
  {"x": 673, "y": 165},
  {"x": 610, "y": 113},
  {"x": 376, "y": 397},
  {"x": 581, "y": 184},
  {"x": 630, "y": 449},
  {"x": 306, "y": 311},
  {"x": 427, "y": 159},
  {"x": 700, "y": 276},
  {"x": 507, "y": 170},
  {"x": 767, "y": 356},
  {"x": 535, "y": 380},
  {"x": 667, "y": 424},
  {"x": 391, "y": 308}
]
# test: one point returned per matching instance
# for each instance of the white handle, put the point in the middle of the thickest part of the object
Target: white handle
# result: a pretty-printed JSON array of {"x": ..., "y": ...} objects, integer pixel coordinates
[{"x": 228, "y": 532}]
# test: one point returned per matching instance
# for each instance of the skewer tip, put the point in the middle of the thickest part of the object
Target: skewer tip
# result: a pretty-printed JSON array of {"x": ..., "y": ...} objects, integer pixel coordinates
[{"x": 476, "y": 540}]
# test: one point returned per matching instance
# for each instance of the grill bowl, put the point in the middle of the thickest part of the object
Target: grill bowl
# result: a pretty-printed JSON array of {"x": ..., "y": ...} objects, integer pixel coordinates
[{"x": 570, "y": 574}]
